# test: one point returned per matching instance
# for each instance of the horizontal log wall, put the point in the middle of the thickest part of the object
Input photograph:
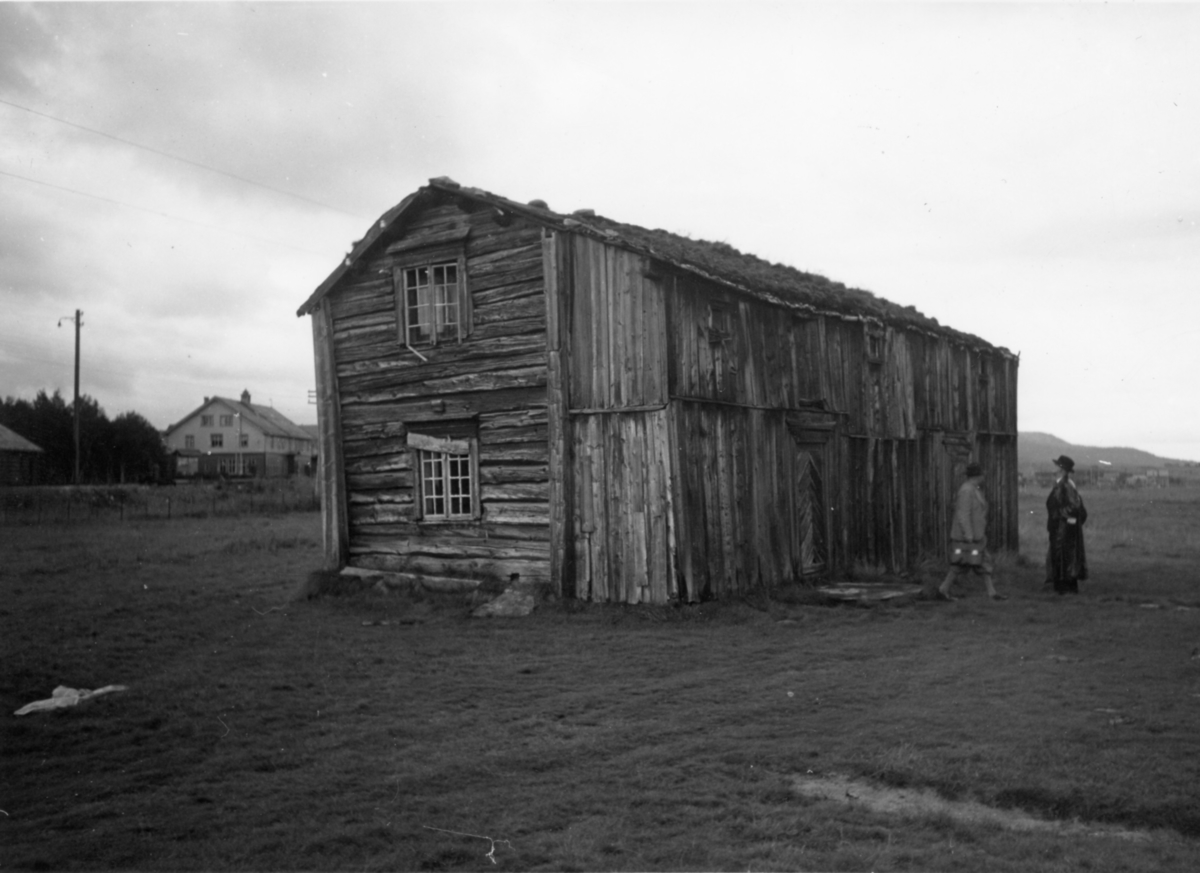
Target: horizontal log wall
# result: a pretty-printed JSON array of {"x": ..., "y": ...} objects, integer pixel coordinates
[{"x": 496, "y": 378}]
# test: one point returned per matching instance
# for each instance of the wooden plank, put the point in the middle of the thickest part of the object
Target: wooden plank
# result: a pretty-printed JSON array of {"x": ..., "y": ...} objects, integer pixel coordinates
[
  {"x": 536, "y": 453},
  {"x": 499, "y": 295},
  {"x": 561, "y": 492},
  {"x": 525, "y": 308},
  {"x": 335, "y": 533},
  {"x": 599, "y": 535},
  {"x": 438, "y": 444},
  {"x": 585, "y": 521},
  {"x": 517, "y": 491},
  {"x": 497, "y": 474}
]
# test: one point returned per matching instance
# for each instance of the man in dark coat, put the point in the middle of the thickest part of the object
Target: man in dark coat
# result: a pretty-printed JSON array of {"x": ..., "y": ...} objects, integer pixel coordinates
[{"x": 1066, "y": 561}]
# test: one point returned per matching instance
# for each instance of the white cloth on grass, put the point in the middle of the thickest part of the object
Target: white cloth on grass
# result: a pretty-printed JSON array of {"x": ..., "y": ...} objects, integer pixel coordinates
[{"x": 62, "y": 696}]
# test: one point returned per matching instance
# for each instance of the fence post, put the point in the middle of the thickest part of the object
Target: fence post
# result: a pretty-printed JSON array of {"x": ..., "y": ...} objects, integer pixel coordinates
[{"x": 168, "y": 509}]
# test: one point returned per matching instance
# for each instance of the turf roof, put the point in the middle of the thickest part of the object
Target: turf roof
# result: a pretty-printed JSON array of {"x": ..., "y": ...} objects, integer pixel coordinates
[{"x": 776, "y": 283}]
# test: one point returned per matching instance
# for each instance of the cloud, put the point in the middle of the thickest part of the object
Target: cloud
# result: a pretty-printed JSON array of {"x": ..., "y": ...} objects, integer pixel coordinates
[{"x": 1005, "y": 168}]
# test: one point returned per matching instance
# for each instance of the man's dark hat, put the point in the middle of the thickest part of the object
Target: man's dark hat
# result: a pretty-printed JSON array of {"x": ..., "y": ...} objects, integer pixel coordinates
[
  {"x": 1064, "y": 462},
  {"x": 974, "y": 469}
]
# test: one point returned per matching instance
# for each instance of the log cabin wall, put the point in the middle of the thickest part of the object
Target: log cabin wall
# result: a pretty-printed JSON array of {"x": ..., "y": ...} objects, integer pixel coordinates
[{"x": 491, "y": 385}]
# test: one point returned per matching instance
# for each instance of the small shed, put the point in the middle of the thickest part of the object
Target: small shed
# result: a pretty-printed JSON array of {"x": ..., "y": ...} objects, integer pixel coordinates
[
  {"x": 20, "y": 460},
  {"x": 631, "y": 415}
]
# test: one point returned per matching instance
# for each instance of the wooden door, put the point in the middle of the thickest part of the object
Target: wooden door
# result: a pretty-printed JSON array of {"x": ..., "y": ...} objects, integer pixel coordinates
[{"x": 812, "y": 527}]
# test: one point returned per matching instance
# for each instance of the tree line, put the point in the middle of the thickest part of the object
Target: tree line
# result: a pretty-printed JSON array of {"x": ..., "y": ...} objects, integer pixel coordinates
[{"x": 125, "y": 449}]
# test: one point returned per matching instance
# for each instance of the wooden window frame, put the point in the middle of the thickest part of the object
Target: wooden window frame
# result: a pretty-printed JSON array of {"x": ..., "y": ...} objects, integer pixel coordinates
[
  {"x": 432, "y": 259},
  {"x": 720, "y": 323},
  {"x": 875, "y": 342},
  {"x": 425, "y": 447},
  {"x": 189, "y": 441},
  {"x": 206, "y": 421},
  {"x": 227, "y": 421},
  {"x": 216, "y": 440}
]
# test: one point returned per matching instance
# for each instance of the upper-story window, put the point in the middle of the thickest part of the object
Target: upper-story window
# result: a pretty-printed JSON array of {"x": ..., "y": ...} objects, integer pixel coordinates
[
  {"x": 226, "y": 421},
  {"x": 243, "y": 440},
  {"x": 433, "y": 303},
  {"x": 206, "y": 421},
  {"x": 720, "y": 332},
  {"x": 216, "y": 440},
  {"x": 874, "y": 345},
  {"x": 189, "y": 441}
]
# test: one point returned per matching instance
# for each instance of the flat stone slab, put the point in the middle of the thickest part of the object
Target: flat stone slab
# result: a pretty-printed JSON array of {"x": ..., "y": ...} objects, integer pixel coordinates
[
  {"x": 515, "y": 602},
  {"x": 871, "y": 592}
]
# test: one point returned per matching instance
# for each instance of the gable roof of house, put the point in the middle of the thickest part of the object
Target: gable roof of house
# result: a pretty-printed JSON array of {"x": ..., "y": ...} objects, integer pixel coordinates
[
  {"x": 11, "y": 441},
  {"x": 266, "y": 418},
  {"x": 719, "y": 262}
]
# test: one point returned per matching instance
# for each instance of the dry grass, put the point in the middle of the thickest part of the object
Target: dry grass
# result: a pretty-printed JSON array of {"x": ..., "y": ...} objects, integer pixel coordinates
[{"x": 265, "y": 733}]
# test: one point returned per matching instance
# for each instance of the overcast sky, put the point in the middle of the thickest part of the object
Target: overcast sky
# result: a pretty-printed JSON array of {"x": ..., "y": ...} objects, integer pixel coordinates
[{"x": 1026, "y": 173}]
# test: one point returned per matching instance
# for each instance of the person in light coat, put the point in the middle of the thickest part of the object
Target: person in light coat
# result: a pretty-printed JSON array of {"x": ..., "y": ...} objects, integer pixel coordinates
[{"x": 968, "y": 536}]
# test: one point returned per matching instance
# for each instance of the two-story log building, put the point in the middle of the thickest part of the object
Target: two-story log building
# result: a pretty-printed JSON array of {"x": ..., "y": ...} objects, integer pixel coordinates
[{"x": 631, "y": 415}]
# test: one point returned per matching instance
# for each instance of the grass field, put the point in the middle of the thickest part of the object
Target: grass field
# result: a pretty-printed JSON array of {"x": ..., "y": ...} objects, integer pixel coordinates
[{"x": 363, "y": 731}]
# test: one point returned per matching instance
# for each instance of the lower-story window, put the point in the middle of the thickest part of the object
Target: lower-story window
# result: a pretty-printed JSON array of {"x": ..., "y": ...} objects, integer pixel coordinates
[
  {"x": 445, "y": 485},
  {"x": 446, "y": 476}
]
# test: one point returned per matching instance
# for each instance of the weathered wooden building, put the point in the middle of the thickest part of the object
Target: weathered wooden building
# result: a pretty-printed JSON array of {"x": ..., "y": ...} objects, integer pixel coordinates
[
  {"x": 631, "y": 415},
  {"x": 20, "y": 459}
]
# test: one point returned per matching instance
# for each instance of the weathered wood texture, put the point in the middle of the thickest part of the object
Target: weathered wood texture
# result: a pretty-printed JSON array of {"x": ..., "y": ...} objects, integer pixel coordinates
[
  {"x": 888, "y": 477},
  {"x": 617, "y": 326},
  {"x": 623, "y": 507},
  {"x": 645, "y": 434},
  {"x": 331, "y": 468},
  {"x": 496, "y": 378}
]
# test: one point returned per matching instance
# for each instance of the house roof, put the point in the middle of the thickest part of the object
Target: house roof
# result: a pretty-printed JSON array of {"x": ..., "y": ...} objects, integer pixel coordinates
[
  {"x": 11, "y": 441},
  {"x": 719, "y": 262},
  {"x": 267, "y": 419}
]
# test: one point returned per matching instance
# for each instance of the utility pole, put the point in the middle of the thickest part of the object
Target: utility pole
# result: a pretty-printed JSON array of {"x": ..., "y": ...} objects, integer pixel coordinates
[{"x": 78, "y": 319}]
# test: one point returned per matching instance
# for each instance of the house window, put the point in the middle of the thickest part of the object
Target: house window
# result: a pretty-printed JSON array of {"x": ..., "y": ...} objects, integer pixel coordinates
[
  {"x": 189, "y": 441},
  {"x": 445, "y": 485},
  {"x": 446, "y": 476},
  {"x": 206, "y": 421},
  {"x": 720, "y": 324},
  {"x": 874, "y": 346},
  {"x": 226, "y": 421},
  {"x": 433, "y": 303},
  {"x": 216, "y": 440},
  {"x": 243, "y": 440},
  {"x": 720, "y": 341}
]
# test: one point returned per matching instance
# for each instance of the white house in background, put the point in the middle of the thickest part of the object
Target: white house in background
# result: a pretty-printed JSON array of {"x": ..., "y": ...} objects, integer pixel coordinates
[{"x": 238, "y": 438}]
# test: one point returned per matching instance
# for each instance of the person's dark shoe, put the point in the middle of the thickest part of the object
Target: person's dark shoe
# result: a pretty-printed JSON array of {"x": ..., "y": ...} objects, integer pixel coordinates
[
  {"x": 941, "y": 595},
  {"x": 999, "y": 597}
]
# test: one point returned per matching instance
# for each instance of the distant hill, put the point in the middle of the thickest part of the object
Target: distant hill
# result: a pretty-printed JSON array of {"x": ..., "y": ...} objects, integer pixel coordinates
[{"x": 1035, "y": 451}]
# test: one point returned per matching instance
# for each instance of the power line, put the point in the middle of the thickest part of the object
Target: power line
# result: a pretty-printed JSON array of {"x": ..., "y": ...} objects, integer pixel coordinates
[
  {"x": 177, "y": 158},
  {"x": 163, "y": 214}
]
